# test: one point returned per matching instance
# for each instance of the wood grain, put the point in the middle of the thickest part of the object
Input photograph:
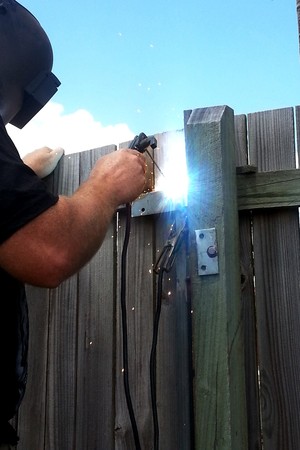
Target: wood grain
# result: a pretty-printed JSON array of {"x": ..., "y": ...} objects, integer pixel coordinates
[
  {"x": 219, "y": 385},
  {"x": 277, "y": 273}
]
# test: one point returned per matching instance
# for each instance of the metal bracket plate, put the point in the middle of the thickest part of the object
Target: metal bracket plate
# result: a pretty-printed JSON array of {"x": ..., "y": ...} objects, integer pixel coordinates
[
  {"x": 207, "y": 251},
  {"x": 155, "y": 202}
]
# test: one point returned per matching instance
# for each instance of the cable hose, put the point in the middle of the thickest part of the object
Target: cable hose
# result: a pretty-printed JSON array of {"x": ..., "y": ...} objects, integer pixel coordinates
[
  {"x": 124, "y": 330},
  {"x": 153, "y": 361},
  {"x": 153, "y": 347}
]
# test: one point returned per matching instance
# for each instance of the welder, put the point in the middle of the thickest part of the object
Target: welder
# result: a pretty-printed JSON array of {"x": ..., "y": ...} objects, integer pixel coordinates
[{"x": 44, "y": 238}]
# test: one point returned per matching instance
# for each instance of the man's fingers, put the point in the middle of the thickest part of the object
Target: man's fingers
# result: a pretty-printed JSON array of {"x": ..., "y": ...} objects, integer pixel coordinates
[{"x": 57, "y": 153}]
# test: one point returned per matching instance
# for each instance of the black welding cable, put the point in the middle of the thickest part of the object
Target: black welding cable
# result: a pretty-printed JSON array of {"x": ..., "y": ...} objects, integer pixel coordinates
[
  {"x": 153, "y": 359},
  {"x": 124, "y": 330}
]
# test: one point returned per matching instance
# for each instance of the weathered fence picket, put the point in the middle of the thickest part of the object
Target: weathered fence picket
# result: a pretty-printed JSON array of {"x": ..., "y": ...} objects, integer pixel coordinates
[
  {"x": 248, "y": 297},
  {"x": 276, "y": 247}
]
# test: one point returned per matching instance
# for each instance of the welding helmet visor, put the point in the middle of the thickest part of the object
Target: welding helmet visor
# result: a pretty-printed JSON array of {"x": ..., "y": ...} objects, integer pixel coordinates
[{"x": 26, "y": 59}]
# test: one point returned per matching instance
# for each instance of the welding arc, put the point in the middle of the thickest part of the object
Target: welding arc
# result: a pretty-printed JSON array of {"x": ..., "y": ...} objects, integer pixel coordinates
[{"x": 124, "y": 330}]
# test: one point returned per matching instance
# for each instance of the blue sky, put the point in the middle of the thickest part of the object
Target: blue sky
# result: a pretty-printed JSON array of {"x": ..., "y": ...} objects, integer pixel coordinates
[{"x": 131, "y": 66}]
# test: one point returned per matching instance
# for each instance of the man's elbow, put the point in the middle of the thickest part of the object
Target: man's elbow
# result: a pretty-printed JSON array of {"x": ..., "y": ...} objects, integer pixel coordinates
[{"x": 51, "y": 271}]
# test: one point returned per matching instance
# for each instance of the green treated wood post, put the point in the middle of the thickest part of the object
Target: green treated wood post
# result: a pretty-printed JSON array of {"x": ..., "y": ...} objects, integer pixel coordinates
[{"x": 219, "y": 383}]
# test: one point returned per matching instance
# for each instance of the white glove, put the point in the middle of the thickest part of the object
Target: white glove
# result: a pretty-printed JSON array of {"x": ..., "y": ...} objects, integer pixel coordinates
[{"x": 43, "y": 160}]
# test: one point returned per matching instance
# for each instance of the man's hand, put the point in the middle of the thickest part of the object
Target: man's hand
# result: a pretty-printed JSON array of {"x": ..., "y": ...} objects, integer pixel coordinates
[
  {"x": 43, "y": 160},
  {"x": 120, "y": 176}
]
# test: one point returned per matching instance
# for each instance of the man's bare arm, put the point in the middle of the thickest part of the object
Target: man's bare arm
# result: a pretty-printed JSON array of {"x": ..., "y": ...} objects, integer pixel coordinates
[{"x": 58, "y": 242}]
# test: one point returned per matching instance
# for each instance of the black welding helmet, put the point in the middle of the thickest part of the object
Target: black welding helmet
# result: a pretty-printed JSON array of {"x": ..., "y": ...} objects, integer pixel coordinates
[{"x": 26, "y": 59}]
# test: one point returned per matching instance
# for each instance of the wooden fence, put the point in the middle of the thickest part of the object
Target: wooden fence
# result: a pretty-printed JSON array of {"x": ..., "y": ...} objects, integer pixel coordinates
[{"x": 228, "y": 354}]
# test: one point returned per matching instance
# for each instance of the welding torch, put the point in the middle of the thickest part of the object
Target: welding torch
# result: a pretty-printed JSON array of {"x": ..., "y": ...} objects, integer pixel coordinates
[{"x": 142, "y": 142}]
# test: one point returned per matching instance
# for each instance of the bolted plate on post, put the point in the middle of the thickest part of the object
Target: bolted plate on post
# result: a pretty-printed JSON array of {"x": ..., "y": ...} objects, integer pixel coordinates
[{"x": 207, "y": 251}]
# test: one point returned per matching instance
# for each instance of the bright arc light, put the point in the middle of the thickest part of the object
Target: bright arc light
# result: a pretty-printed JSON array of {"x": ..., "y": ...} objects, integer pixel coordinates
[
  {"x": 175, "y": 181},
  {"x": 176, "y": 186}
]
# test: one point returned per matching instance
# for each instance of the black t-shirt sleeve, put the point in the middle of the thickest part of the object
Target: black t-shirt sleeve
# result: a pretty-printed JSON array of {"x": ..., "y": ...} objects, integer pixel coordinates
[{"x": 23, "y": 195}]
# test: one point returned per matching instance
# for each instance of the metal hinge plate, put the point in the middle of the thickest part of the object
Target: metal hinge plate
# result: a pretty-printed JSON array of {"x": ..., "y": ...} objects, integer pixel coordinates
[{"x": 207, "y": 251}]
